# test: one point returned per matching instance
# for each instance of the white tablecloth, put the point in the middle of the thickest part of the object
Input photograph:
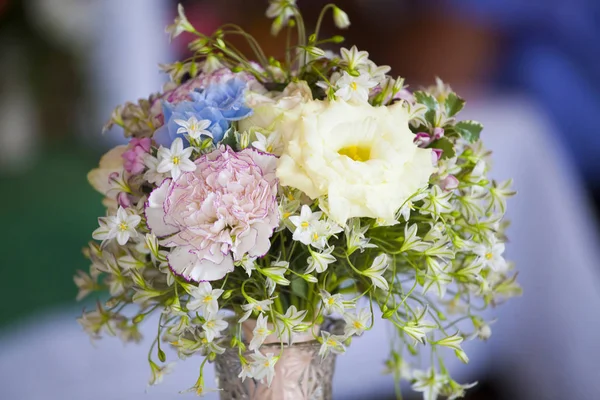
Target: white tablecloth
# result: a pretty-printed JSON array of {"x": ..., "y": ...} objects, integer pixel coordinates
[{"x": 545, "y": 345}]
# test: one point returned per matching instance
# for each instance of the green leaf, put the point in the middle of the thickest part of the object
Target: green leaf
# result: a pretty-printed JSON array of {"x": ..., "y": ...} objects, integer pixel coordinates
[
  {"x": 230, "y": 139},
  {"x": 453, "y": 104},
  {"x": 446, "y": 146},
  {"x": 428, "y": 100},
  {"x": 469, "y": 130},
  {"x": 299, "y": 287}
]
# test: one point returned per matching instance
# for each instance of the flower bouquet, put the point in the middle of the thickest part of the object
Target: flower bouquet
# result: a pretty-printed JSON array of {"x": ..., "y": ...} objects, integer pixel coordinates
[{"x": 269, "y": 210}]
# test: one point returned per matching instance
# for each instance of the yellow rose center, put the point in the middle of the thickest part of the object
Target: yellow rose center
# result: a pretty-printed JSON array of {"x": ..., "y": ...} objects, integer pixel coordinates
[{"x": 356, "y": 153}]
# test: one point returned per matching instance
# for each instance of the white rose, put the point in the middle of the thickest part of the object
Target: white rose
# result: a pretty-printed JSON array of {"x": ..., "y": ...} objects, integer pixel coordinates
[
  {"x": 273, "y": 116},
  {"x": 361, "y": 157}
]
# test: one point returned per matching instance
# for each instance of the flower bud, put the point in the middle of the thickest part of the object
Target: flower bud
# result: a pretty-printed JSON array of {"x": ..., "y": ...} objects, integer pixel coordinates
[{"x": 340, "y": 18}]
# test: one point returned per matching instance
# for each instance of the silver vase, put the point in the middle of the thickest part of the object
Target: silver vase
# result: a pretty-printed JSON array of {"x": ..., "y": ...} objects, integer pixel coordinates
[{"x": 300, "y": 373}]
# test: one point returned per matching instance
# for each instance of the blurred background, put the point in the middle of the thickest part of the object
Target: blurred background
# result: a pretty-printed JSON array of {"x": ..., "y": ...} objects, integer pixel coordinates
[{"x": 530, "y": 70}]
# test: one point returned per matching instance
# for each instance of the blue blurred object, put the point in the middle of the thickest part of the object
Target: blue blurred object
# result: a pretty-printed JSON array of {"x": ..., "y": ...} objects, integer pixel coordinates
[{"x": 553, "y": 54}]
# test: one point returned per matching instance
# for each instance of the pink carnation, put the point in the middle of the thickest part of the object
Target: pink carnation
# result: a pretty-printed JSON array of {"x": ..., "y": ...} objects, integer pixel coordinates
[
  {"x": 225, "y": 209},
  {"x": 134, "y": 155}
]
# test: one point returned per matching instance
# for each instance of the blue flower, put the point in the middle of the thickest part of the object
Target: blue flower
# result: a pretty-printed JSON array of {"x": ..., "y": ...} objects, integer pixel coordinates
[{"x": 220, "y": 103}]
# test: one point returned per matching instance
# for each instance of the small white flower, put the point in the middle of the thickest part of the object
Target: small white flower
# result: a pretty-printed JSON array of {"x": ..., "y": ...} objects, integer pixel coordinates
[
  {"x": 354, "y": 89},
  {"x": 418, "y": 327},
  {"x": 275, "y": 275},
  {"x": 428, "y": 382},
  {"x": 281, "y": 10},
  {"x": 289, "y": 322},
  {"x": 180, "y": 25},
  {"x": 375, "y": 272},
  {"x": 176, "y": 159},
  {"x": 271, "y": 143},
  {"x": 357, "y": 323},
  {"x": 305, "y": 224},
  {"x": 355, "y": 236},
  {"x": 491, "y": 254},
  {"x": 436, "y": 276},
  {"x": 152, "y": 175},
  {"x": 376, "y": 72},
  {"x": 437, "y": 202},
  {"x": 194, "y": 128},
  {"x": 408, "y": 206},
  {"x": 319, "y": 261},
  {"x": 331, "y": 343},
  {"x": 121, "y": 226},
  {"x": 353, "y": 58},
  {"x": 205, "y": 299},
  {"x": 211, "y": 64},
  {"x": 332, "y": 302},
  {"x": 246, "y": 371},
  {"x": 260, "y": 333},
  {"x": 263, "y": 366},
  {"x": 248, "y": 263},
  {"x": 213, "y": 326},
  {"x": 159, "y": 372},
  {"x": 255, "y": 306}
]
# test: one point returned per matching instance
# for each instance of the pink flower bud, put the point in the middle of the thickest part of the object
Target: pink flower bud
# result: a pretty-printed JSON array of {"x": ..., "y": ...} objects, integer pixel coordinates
[
  {"x": 134, "y": 156},
  {"x": 436, "y": 155},
  {"x": 124, "y": 200},
  {"x": 449, "y": 183},
  {"x": 438, "y": 133},
  {"x": 422, "y": 139}
]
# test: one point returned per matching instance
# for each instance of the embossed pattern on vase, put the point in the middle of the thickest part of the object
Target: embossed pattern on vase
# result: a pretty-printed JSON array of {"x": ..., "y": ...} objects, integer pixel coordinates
[{"x": 300, "y": 374}]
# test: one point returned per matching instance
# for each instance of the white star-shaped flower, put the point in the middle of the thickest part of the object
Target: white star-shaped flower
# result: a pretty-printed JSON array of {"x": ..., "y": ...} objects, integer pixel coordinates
[
  {"x": 175, "y": 160},
  {"x": 355, "y": 88},
  {"x": 376, "y": 270},
  {"x": 121, "y": 226},
  {"x": 354, "y": 58},
  {"x": 332, "y": 302},
  {"x": 260, "y": 333},
  {"x": 319, "y": 261},
  {"x": 263, "y": 366},
  {"x": 213, "y": 326},
  {"x": 271, "y": 143},
  {"x": 194, "y": 128},
  {"x": 357, "y": 323},
  {"x": 429, "y": 382},
  {"x": 491, "y": 254},
  {"x": 331, "y": 343},
  {"x": 255, "y": 306},
  {"x": 205, "y": 299},
  {"x": 305, "y": 224},
  {"x": 152, "y": 175}
]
